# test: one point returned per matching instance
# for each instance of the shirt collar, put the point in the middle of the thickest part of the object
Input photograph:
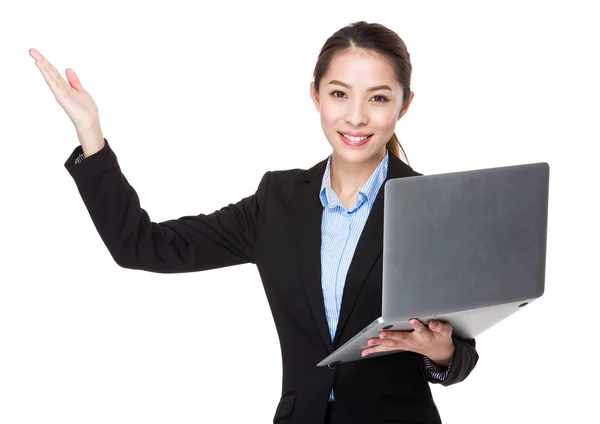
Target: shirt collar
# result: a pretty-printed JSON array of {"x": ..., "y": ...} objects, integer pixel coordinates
[{"x": 367, "y": 192}]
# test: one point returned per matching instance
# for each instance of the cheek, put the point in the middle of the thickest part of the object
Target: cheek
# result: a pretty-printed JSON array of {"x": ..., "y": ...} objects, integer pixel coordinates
[
  {"x": 383, "y": 120},
  {"x": 333, "y": 112},
  {"x": 331, "y": 116}
]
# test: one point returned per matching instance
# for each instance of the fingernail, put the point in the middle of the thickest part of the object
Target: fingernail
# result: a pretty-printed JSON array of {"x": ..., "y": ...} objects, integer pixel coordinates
[{"x": 433, "y": 324}]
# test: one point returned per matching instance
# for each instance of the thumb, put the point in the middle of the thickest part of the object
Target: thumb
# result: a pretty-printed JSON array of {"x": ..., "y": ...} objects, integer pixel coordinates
[
  {"x": 73, "y": 79},
  {"x": 440, "y": 328}
]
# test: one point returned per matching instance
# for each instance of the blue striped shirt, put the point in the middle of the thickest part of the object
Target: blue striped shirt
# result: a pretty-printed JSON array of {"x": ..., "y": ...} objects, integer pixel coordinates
[{"x": 341, "y": 228}]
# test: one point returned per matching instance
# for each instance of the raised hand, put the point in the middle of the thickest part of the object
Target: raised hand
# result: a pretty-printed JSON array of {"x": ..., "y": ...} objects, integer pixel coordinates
[{"x": 76, "y": 102}]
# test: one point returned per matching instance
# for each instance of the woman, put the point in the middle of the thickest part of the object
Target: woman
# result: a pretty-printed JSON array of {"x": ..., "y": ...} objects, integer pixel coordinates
[{"x": 315, "y": 236}]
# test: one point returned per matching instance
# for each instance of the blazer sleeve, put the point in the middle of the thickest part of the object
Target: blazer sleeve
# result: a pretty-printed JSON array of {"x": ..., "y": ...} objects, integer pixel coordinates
[
  {"x": 434, "y": 373},
  {"x": 463, "y": 362},
  {"x": 223, "y": 238}
]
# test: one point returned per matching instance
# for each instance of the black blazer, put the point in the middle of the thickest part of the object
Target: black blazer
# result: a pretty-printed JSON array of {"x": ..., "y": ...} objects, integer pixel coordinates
[{"x": 279, "y": 229}]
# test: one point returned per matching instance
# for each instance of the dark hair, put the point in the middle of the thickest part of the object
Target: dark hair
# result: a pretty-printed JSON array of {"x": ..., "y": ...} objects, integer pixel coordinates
[{"x": 377, "y": 38}]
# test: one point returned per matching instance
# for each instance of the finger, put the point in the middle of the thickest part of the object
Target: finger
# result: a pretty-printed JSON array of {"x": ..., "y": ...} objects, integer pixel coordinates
[
  {"x": 400, "y": 339},
  {"x": 399, "y": 335},
  {"x": 60, "y": 81},
  {"x": 418, "y": 326},
  {"x": 374, "y": 342},
  {"x": 375, "y": 349},
  {"x": 50, "y": 80},
  {"x": 48, "y": 76},
  {"x": 388, "y": 335},
  {"x": 442, "y": 328},
  {"x": 53, "y": 78},
  {"x": 446, "y": 329},
  {"x": 40, "y": 57},
  {"x": 74, "y": 79},
  {"x": 390, "y": 343},
  {"x": 35, "y": 54}
]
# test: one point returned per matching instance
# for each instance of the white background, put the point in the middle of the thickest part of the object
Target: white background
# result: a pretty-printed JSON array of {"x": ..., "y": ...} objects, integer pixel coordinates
[{"x": 187, "y": 89}]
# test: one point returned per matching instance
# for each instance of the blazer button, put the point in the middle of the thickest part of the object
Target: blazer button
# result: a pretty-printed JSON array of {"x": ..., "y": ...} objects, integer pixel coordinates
[{"x": 333, "y": 365}]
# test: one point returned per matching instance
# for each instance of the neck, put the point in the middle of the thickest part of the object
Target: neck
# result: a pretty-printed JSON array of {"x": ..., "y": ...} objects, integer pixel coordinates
[{"x": 348, "y": 177}]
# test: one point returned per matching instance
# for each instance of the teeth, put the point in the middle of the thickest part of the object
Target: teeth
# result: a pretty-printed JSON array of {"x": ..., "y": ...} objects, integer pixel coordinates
[{"x": 349, "y": 137}]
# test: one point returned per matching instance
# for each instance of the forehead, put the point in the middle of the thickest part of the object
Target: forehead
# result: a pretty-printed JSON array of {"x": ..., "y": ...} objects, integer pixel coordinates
[{"x": 361, "y": 68}]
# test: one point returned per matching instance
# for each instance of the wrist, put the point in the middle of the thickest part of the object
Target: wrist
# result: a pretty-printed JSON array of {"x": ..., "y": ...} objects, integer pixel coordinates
[
  {"x": 444, "y": 359},
  {"x": 91, "y": 140}
]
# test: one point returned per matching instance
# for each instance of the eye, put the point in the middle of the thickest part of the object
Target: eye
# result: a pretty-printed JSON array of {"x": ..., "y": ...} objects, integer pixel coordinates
[
  {"x": 377, "y": 101},
  {"x": 382, "y": 101}
]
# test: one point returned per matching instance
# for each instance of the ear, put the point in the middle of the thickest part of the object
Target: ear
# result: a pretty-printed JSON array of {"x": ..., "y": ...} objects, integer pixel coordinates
[
  {"x": 314, "y": 96},
  {"x": 406, "y": 105}
]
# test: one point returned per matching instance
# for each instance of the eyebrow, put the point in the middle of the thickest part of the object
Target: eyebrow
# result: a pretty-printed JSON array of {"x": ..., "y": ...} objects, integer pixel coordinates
[{"x": 377, "y": 87}]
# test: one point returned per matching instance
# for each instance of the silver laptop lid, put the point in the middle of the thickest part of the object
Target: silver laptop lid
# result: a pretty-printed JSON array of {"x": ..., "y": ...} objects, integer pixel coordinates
[{"x": 464, "y": 240}]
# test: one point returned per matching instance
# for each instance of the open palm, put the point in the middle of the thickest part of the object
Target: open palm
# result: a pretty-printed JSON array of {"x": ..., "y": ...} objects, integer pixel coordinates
[{"x": 70, "y": 94}]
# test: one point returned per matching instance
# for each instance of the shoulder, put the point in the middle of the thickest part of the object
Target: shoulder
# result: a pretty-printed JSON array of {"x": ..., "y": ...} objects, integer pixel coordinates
[
  {"x": 398, "y": 168},
  {"x": 299, "y": 175},
  {"x": 288, "y": 184}
]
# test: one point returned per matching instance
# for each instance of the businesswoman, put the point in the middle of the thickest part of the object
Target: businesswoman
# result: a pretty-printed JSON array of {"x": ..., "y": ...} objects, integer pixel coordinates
[{"x": 315, "y": 236}]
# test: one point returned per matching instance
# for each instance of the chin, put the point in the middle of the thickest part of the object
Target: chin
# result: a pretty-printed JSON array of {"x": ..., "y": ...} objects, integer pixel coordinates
[
  {"x": 353, "y": 156},
  {"x": 357, "y": 154}
]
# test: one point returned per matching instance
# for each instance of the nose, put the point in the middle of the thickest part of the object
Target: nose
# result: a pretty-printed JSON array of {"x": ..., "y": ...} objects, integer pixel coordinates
[{"x": 356, "y": 114}]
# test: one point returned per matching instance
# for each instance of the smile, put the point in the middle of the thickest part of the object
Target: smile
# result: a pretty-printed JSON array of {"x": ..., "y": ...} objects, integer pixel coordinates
[{"x": 355, "y": 141}]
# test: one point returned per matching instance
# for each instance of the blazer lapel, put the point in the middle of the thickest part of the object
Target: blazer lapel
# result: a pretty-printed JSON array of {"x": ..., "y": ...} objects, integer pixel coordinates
[
  {"x": 309, "y": 212},
  {"x": 308, "y": 216}
]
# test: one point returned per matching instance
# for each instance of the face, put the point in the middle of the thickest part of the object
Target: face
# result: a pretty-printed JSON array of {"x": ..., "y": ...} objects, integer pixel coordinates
[{"x": 349, "y": 103}]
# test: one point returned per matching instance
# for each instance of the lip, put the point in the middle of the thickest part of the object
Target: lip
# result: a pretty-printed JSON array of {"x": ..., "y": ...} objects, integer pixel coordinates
[
  {"x": 354, "y": 134},
  {"x": 355, "y": 144}
]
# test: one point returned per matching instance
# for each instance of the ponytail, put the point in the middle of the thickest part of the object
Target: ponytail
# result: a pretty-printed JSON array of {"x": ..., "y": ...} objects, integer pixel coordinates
[{"x": 395, "y": 148}]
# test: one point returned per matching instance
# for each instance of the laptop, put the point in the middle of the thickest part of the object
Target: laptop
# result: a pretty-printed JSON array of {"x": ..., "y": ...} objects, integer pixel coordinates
[{"x": 467, "y": 248}]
